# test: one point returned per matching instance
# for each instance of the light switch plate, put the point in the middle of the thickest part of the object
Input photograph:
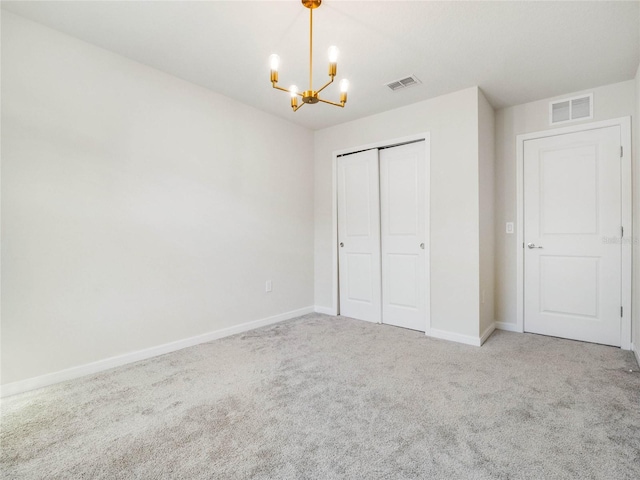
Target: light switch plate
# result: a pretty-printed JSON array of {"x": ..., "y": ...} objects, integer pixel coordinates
[{"x": 509, "y": 227}]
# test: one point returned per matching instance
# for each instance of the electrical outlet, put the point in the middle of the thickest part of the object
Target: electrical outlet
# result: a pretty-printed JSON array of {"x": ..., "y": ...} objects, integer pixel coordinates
[
  {"x": 268, "y": 286},
  {"x": 509, "y": 227}
]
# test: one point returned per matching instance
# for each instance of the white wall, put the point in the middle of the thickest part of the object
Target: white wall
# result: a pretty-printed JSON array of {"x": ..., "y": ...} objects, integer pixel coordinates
[
  {"x": 635, "y": 125},
  {"x": 486, "y": 161},
  {"x": 610, "y": 101},
  {"x": 452, "y": 121},
  {"x": 137, "y": 208}
]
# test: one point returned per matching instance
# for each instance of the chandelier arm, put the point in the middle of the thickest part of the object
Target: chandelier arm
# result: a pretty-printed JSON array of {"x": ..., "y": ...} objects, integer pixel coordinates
[
  {"x": 325, "y": 85},
  {"x": 278, "y": 87},
  {"x": 296, "y": 108},
  {"x": 331, "y": 103}
]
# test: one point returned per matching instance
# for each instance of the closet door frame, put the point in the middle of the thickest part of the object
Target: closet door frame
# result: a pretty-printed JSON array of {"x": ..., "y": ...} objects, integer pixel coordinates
[{"x": 335, "y": 310}]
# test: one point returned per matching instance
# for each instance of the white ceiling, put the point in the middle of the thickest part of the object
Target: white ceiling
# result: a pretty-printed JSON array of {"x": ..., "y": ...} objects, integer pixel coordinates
[{"x": 515, "y": 51}]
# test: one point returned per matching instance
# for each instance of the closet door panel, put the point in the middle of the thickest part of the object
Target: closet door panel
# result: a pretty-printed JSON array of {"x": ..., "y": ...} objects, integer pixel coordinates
[
  {"x": 403, "y": 235},
  {"x": 359, "y": 236}
]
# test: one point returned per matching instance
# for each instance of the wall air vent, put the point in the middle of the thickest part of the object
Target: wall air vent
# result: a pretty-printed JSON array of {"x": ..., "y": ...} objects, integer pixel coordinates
[
  {"x": 571, "y": 109},
  {"x": 403, "y": 83}
]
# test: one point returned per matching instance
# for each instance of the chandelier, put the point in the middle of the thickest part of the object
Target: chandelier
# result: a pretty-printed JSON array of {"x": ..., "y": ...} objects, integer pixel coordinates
[{"x": 310, "y": 95}]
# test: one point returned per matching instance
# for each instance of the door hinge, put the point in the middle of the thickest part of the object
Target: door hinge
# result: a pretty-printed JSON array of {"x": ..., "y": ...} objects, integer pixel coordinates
[
  {"x": 621, "y": 232},
  {"x": 621, "y": 152},
  {"x": 621, "y": 310}
]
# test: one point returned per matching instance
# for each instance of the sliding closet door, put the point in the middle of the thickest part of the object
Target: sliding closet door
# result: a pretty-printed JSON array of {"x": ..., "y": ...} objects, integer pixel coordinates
[
  {"x": 359, "y": 235},
  {"x": 403, "y": 219}
]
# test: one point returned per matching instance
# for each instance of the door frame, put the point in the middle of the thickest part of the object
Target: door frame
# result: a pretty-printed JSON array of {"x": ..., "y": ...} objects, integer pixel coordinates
[
  {"x": 627, "y": 223},
  {"x": 335, "y": 299}
]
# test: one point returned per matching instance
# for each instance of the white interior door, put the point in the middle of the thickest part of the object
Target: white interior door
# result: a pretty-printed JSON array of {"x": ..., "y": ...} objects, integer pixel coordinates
[
  {"x": 359, "y": 235},
  {"x": 403, "y": 238},
  {"x": 572, "y": 216}
]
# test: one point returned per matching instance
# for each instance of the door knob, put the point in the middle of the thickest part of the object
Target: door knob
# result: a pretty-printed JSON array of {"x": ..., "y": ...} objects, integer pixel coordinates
[
  {"x": 533, "y": 245},
  {"x": 422, "y": 246},
  {"x": 341, "y": 244}
]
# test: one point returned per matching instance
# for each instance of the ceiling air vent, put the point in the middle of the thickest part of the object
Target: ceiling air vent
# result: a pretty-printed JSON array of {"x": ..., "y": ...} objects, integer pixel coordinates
[
  {"x": 571, "y": 109},
  {"x": 403, "y": 83}
]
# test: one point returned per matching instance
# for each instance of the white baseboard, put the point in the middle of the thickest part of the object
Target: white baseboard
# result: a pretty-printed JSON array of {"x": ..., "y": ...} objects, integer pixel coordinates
[
  {"x": 325, "y": 310},
  {"x": 101, "y": 365},
  {"x": 487, "y": 333},
  {"x": 466, "y": 339},
  {"x": 636, "y": 353},
  {"x": 509, "y": 327},
  {"x": 454, "y": 337}
]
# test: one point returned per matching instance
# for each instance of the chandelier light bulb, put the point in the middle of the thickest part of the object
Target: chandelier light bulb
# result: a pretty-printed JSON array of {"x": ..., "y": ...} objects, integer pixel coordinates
[
  {"x": 274, "y": 61},
  {"x": 344, "y": 85},
  {"x": 333, "y": 54},
  {"x": 294, "y": 91}
]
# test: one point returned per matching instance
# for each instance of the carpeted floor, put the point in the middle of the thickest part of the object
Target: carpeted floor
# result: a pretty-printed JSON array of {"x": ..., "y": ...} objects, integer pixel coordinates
[{"x": 321, "y": 397}]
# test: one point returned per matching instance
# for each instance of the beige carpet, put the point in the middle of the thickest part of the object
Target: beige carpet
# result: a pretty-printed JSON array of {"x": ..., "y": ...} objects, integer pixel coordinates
[{"x": 322, "y": 397}]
